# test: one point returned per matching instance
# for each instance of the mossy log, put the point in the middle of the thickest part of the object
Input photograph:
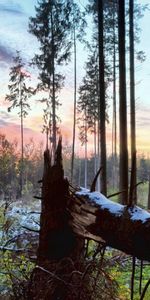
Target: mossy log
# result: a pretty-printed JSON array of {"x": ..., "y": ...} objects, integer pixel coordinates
[{"x": 121, "y": 227}]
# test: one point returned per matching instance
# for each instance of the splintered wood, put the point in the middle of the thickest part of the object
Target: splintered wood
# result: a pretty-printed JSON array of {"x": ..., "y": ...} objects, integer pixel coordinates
[{"x": 125, "y": 228}]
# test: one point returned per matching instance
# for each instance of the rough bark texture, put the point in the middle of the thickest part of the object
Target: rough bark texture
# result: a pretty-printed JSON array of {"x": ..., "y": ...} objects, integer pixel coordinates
[
  {"x": 54, "y": 228},
  {"x": 59, "y": 249},
  {"x": 119, "y": 231}
]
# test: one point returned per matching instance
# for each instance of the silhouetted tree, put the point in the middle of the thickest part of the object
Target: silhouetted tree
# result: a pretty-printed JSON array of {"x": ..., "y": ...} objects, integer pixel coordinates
[
  {"x": 102, "y": 102},
  {"x": 52, "y": 26},
  {"x": 78, "y": 26},
  {"x": 19, "y": 94},
  {"x": 122, "y": 105},
  {"x": 132, "y": 93}
]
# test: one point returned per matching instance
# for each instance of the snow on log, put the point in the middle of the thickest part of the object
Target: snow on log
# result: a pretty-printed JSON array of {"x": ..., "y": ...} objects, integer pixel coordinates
[{"x": 121, "y": 227}]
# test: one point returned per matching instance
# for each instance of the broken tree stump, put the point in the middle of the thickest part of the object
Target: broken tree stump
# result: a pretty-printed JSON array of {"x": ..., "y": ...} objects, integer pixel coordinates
[{"x": 60, "y": 250}]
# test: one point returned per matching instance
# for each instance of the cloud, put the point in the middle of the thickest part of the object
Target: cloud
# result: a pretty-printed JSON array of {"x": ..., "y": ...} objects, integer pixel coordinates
[
  {"x": 143, "y": 119},
  {"x": 11, "y": 8},
  {"x": 2, "y": 123},
  {"x": 143, "y": 122},
  {"x": 6, "y": 54},
  {"x": 12, "y": 131},
  {"x": 7, "y": 117}
]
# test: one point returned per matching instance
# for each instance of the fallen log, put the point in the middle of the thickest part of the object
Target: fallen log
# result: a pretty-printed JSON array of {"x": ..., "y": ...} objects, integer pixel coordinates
[{"x": 122, "y": 227}]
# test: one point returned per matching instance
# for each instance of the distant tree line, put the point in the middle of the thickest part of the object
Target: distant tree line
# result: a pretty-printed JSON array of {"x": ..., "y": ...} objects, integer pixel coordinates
[{"x": 10, "y": 164}]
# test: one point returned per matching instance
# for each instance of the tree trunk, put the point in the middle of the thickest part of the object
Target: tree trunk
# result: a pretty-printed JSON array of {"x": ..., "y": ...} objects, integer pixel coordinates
[
  {"x": 114, "y": 121},
  {"x": 95, "y": 149},
  {"x": 102, "y": 103},
  {"x": 59, "y": 249},
  {"x": 98, "y": 153},
  {"x": 75, "y": 101},
  {"x": 85, "y": 163},
  {"x": 22, "y": 139},
  {"x": 122, "y": 105},
  {"x": 121, "y": 227},
  {"x": 149, "y": 193},
  {"x": 53, "y": 92},
  {"x": 132, "y": 94}
]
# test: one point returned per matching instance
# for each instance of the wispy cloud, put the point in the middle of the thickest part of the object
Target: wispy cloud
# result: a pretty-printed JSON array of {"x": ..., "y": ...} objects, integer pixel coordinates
[
  {"x": 7, "y": 117},
  {"x": 11, "y": 7},
  {"x": 6, "y": 54},
  {"x": 2, "y": 123},
  {"x": 12, "y": 131},
  {"x": 143, "y": 118}
]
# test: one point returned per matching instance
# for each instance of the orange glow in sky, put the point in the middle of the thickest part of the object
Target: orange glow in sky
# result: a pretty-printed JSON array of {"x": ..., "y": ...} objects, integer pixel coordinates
[{"x": 14, "y": 36}]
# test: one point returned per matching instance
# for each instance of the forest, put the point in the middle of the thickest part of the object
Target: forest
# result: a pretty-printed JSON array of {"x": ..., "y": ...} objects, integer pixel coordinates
[{"x": 75, "y": 211}]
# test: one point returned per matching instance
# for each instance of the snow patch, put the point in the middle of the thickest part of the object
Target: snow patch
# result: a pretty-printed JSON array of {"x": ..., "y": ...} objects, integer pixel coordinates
[
  {"x": 102, "y": 201},
  {"x": 21, "y": 219},
  {"x": 139, "y": 214},
  {"x": 136, "y": 213}
]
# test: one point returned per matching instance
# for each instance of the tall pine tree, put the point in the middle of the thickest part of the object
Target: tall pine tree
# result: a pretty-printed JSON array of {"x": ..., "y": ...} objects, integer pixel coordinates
[
  {"x": 19, "y": 94},
  {"x": 50, "y": 26}
]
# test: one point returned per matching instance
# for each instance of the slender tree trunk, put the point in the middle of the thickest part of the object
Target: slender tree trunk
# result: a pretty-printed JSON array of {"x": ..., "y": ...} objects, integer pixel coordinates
[
  {"x": 114, "y": 109},
  {"x": 85, "y": 165},
  {"x": 98, "y": 131},
  {"x": 47, "y": 133},
  {"x": 95, "y": 152},
  {"x": 122, "y": 105},
  {"x": 102, "y": 103},
  {"x": 149, "y": 193},
  {"x": 132, "y": 93},
  {"x": 98, "y": 154},
  {"x": 114, "y": 125},
  {"x": 53, "y": 91},
  {"x": 22, "y": 158},
  {"x": 75, "y": 101},
  {"x": 79, "y": 180},
  {"x": 22, "y": 139}
]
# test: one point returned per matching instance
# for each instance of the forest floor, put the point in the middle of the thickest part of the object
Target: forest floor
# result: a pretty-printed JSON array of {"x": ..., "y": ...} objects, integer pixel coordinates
[{"x": 19, "y": 226}]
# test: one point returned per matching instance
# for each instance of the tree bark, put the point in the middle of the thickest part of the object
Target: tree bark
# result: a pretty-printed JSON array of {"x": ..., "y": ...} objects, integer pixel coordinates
[
  {"x": 121, "y": 227},
  {"x": 114, "y": 118},
  {"x": 122, "y": 105},
  {"x": 132, "y": 94},
  {"x": 148, "y": 206},
  {"x": 22, "y": 137},
  {"x": 54, "y": 129},
  {"x": 75, "y": 104},
  {"x": 102, "y": 104},
  {"x": 59, "y": 248}
]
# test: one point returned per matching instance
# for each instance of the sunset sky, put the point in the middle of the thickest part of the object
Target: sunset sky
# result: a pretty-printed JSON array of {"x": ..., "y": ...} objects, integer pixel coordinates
[{"x": 14, "y": 18}]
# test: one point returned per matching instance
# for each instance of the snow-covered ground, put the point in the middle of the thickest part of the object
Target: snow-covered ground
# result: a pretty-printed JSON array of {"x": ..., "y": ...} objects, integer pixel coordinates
[{"x": 21, "y": 226}]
